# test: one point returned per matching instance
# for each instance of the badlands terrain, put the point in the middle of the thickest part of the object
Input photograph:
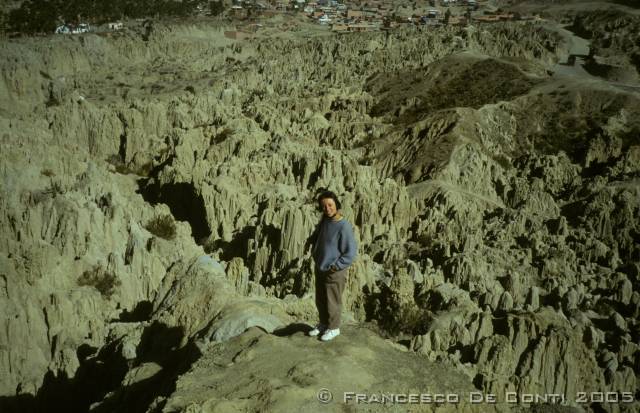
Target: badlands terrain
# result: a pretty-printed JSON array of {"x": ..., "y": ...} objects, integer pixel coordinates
[{"x": 158, "y": 190}]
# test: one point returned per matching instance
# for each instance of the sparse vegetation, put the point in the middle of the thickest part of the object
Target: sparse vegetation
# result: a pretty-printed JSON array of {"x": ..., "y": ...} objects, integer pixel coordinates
[
  {"x": 102, "y": 280},
  {"x": 473, "y": 83},
  {"x": 405, "y": 318},
  {"x": 162, "y": 226},
  {"x": 54, "y": 189},
  {"x": 222, "y": 135}
]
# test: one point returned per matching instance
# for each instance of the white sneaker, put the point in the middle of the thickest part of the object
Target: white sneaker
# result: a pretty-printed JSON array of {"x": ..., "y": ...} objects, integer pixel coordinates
[
  {"x": 320, "y": 328},
  {"x": 330, "y": 334}
]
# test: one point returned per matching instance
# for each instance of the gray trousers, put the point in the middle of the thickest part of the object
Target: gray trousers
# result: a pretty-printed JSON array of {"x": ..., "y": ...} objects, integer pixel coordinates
[{"x": 329, "y": 288}]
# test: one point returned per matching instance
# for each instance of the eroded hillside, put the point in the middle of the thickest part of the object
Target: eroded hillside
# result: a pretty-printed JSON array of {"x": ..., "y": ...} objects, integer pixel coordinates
[{"x": 158, "y": 192}]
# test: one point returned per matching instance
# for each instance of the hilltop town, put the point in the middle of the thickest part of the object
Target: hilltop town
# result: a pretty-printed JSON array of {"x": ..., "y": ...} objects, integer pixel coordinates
[
  {"x": 356, "y": 16},
  {"x": 333, "y": 15}
]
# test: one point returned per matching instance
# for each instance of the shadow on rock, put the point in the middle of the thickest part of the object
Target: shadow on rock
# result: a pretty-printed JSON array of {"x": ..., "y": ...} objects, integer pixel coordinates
[
  {"x": 117, "y": 384},
  {"x": 292, "y": 329},
  {"x": 97, "y": 374},
  {"x": 160, "y": 360},
  {"x": 142, "y": 312},
  {"x": 185, "y": 203}
]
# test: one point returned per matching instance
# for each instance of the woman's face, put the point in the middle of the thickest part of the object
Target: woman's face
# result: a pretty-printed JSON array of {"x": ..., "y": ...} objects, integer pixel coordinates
[{"x": 328, "y": 207}]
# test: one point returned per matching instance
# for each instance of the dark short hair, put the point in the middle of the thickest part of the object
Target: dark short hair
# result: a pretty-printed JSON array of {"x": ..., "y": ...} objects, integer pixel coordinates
[{"x": 328, "y": 194}]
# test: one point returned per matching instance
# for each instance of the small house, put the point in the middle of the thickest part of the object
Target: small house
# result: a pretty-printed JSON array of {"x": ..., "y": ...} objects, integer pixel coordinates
[
  {"x": 340, "y": 27},
  {"x": 82, "y": 28},
  {"x": 64, "y": 29},
  {"x": 239, "y": 11},
  {"x": 457, "y": 20},
  {"x": 115, "y": 26},
  {"x": 324, "y": 19}
]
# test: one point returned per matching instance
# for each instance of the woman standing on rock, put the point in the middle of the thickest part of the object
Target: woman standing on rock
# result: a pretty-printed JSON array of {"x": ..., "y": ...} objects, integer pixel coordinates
[{"x": 334, "y": 249}]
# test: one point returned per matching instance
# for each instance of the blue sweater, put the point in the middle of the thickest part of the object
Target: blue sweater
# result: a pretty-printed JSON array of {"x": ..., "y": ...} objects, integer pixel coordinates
[{"x": 334, "y": 244}]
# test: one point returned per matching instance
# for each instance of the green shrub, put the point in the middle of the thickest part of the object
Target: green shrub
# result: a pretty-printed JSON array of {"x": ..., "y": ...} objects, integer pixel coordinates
[
  {"x": 162, "y": 226},
  {"x": 404, "y": 318},
  {"x": 412, "y": 319},
  {"x": 103, "y": 281}
]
